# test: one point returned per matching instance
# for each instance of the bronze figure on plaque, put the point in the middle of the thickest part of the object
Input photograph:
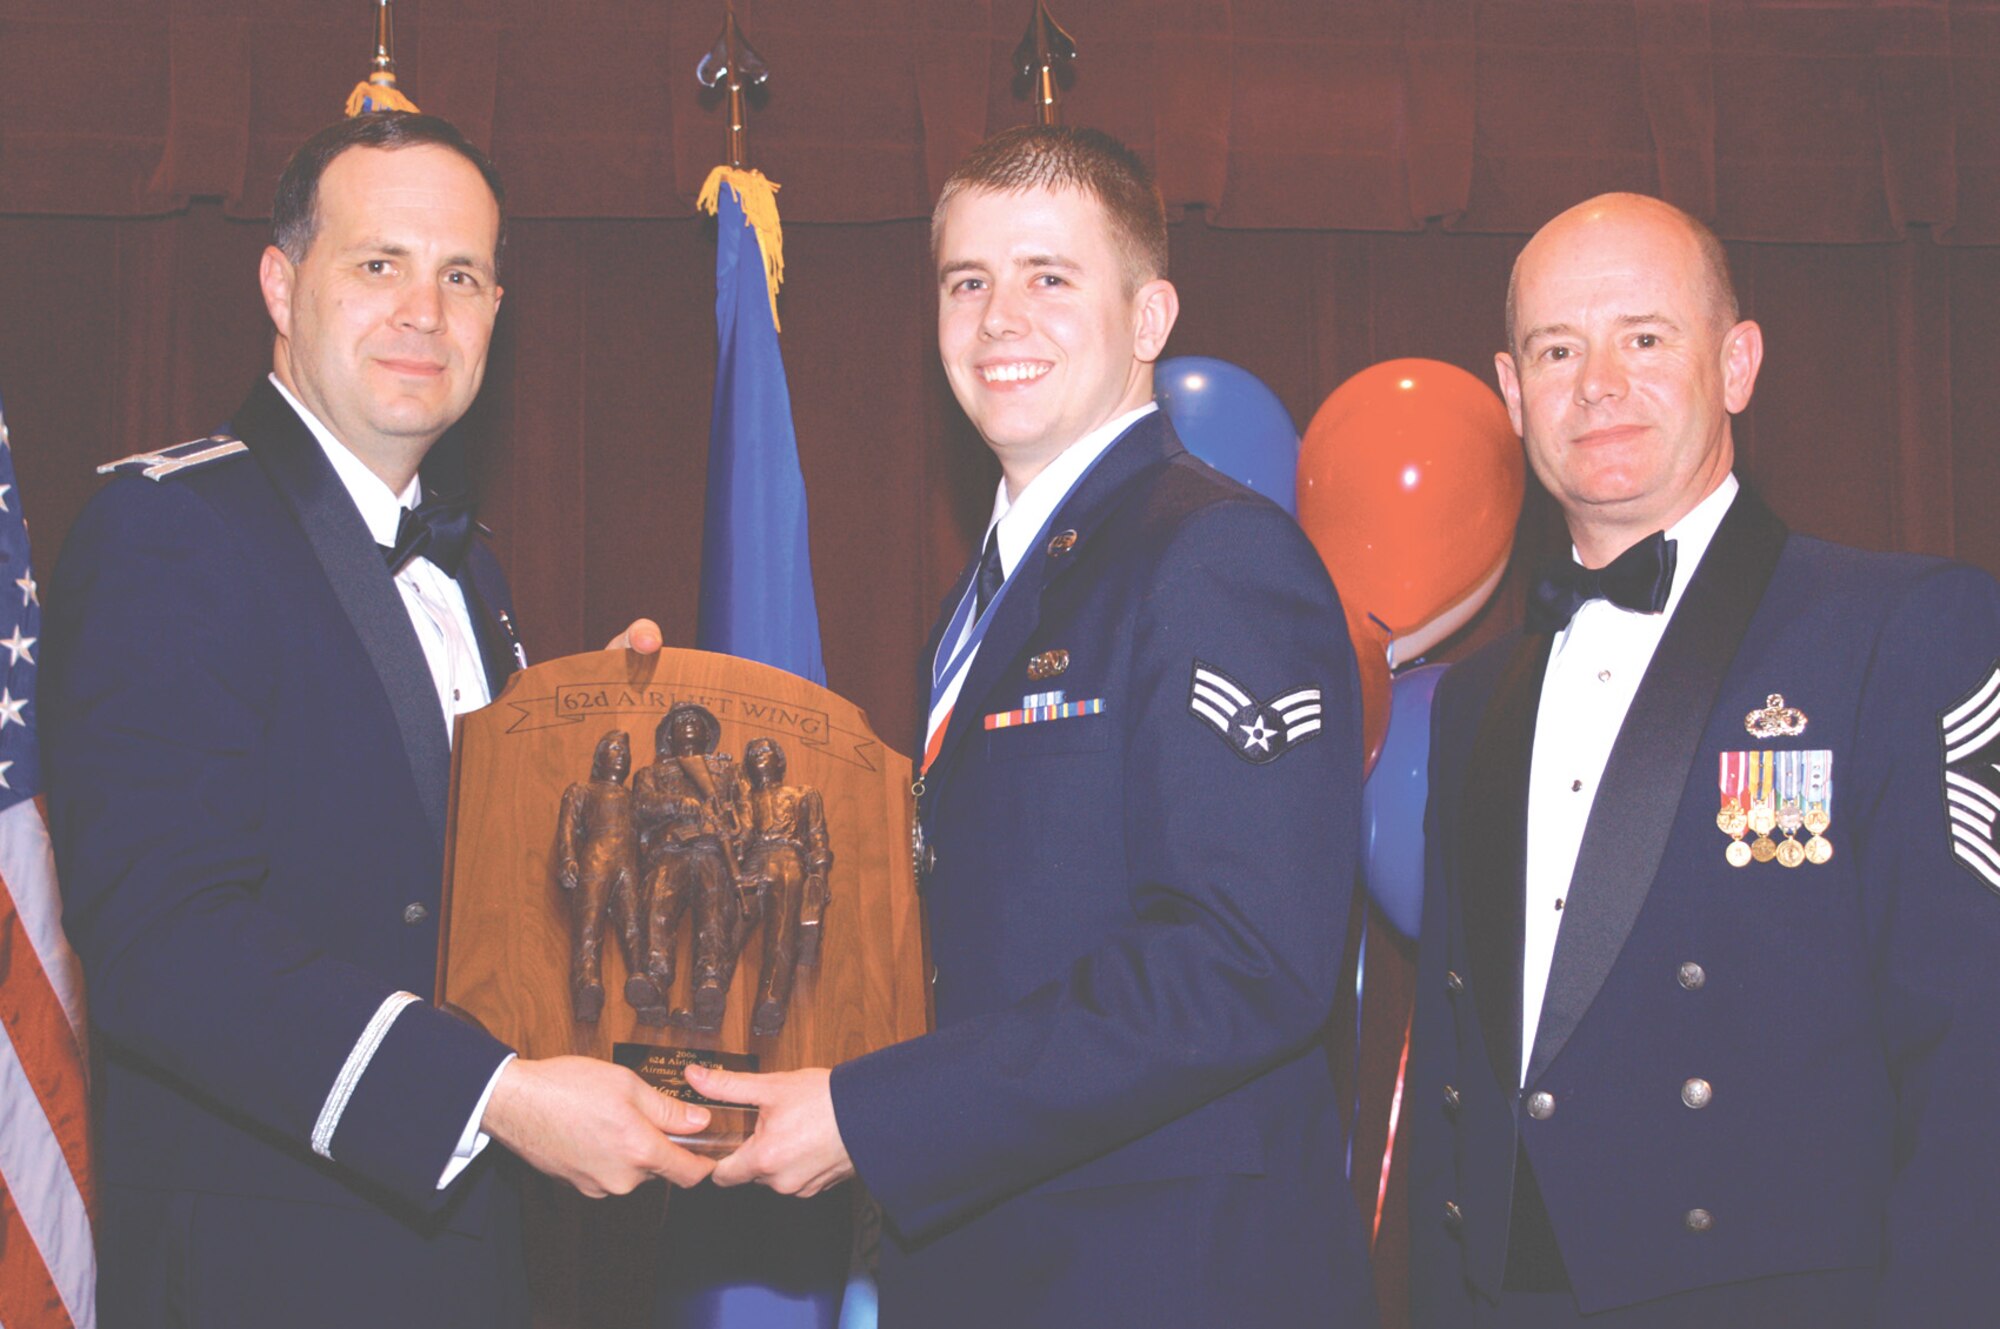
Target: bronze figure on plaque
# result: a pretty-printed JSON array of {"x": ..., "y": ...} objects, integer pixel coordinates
[
  {"x": 735, "y": 839},
  {"x": 596, "y": 863},
  {"x": 786, "y": 849},
  {"x": 688, "y": 836},
  {"x": 694, "y": 837}
]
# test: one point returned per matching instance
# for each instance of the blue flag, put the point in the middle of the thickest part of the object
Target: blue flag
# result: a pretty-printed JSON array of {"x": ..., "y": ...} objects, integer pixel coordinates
[
  {"x": 748, "y": 1259},
  {"x": 756, "y": 562}
]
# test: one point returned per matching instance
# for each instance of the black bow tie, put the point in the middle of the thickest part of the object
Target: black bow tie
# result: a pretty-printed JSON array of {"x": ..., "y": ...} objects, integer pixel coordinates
[
  {"x": 439, "y": 529},
  {"x": 1638, "y": 579}
]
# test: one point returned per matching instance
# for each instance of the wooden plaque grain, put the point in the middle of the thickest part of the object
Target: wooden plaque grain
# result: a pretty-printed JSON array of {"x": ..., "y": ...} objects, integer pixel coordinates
[{"x": 505, "y": 938}]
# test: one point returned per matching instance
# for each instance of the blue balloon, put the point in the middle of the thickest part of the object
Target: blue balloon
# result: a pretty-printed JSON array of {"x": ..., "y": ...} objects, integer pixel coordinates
[
  {"x": 1392, "y": 802},
  {"x": 1229, "y": 419}
]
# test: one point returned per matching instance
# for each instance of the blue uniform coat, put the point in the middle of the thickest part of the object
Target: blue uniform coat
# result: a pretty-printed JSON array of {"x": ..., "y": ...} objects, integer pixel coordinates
[
  {"x": 1124, "y": 1116},
  {"x": 1841, "y": 1167},
  {"x": 247, "y": 772}
]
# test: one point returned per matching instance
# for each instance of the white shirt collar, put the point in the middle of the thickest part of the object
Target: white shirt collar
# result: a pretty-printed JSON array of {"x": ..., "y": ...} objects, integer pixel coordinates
[
  {"x": 1691, "y": 536},
  {"x": 381, "y": 507},
  {"x": 1020, "y": 520}
]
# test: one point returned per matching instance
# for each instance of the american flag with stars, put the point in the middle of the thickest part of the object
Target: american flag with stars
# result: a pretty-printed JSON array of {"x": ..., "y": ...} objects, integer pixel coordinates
[{"x": 48, "y": 1273}]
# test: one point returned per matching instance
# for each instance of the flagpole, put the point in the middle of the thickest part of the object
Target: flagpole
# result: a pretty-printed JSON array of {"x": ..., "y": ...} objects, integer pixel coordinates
[
  {"x": 378, "y": 92},
  {"x": 785, "y": 1258},
  {"x": 1045, "y": 50}
]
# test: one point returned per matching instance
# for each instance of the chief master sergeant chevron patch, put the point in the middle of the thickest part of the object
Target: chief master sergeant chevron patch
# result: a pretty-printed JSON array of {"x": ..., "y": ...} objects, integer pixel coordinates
[{"x": 1972, "y": 777}]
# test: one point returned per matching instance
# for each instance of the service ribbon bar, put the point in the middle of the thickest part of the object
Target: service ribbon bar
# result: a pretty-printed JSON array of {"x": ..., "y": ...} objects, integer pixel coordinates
[{"x": 1036, "y": 714}]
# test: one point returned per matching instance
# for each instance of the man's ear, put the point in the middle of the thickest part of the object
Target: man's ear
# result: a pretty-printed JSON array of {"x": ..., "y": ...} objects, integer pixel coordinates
[
  {"x": 1509, "y": 375},
  {"x": 276, "y": 276},
  {"x": 1742, "y": 354},
  {"x": 1157, "y": 304}
]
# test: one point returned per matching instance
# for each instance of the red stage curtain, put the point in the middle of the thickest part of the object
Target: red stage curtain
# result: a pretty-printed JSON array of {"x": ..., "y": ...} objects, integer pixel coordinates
[
  {"x": 1831, "y": 121},
  {"x": 1352, "y": 182}
]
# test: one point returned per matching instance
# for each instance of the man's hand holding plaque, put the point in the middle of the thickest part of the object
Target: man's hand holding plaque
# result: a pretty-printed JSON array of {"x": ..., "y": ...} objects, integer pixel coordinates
[
  {"x": 796, "y": 1148},
  {"x": 597, "y": 1126}
]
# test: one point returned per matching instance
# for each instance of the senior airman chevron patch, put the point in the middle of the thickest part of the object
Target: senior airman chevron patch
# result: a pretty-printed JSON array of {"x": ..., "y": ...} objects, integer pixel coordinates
[
  {"x": 1257, "y": 731},
  {"x": 1972, "y": 777}
]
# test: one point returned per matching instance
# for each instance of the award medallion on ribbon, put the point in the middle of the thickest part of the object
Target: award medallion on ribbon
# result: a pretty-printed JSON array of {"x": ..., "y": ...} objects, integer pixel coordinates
[
  {"x": 1818, "y": 805},
  {"x": 1763, "y": 806},
  {"x": 1734, "y": 817},
  {"x": 1788, "y": 792},
  {"x": 1791, "y": 817}
]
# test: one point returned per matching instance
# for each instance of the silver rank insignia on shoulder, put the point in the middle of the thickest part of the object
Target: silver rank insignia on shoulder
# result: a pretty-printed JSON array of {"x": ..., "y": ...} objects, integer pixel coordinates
[
  {"x": 1971, "y": 729},
  {"x": 180, "y": 457},
  {"x": 1775, "y": 720},
  {"x": 1257, "y": 731}
]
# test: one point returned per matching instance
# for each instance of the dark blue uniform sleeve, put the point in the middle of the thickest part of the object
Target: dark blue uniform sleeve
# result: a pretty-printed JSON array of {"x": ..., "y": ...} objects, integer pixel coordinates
[
  {"x": 1935, "y": 922},
  {"x": 161, "y": 685},
  {"x": 1239, "y": 877}
]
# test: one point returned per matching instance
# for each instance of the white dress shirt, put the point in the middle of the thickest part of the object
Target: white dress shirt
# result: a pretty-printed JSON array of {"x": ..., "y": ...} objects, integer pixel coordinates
[
  {"x": 443, "y": 624},
  {"x": 1016, "y": 522},
  {"x": 1595, "y": 665},
  {"x": 433, "y": 600}
]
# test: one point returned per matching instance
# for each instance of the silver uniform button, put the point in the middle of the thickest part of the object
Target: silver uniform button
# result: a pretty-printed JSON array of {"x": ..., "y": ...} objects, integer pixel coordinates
[
  {"x": 1692, "y": 976},
  {"x": 1696, "y": 1093},
  {"x": 1541, "y": 1105},
  {"x": 1451, "y": 1099},
  {"x": 1699, "y": 1220},
  {"x": 1454, "y": 1217},
  {"x": 1453, "y": 983},
  {"x": 414, "y": 914}
]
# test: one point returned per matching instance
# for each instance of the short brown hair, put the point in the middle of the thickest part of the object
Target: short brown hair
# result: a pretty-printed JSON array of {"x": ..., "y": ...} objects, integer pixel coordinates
[
  {"x": 295, "y": 209},
  {"x": 1089, "y": 160}
]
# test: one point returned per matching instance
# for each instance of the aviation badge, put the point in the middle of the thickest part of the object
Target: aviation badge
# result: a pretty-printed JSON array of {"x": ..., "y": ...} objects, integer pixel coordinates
[{"x": 1257, "y": 731}]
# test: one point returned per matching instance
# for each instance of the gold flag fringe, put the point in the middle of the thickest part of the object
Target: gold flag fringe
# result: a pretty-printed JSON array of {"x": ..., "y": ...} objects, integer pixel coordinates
[
  {"x": 378, "y": 92},
  {"x": 760, "y": 212}
]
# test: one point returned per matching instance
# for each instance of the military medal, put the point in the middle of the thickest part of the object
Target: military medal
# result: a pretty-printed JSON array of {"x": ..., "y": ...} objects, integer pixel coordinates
[
  {"x": 1763, "y": 807},
  {"x": 1734, "y": 817},
  {"x": 1791, "y": 789},
  {"x": 1818, "y": 805}
]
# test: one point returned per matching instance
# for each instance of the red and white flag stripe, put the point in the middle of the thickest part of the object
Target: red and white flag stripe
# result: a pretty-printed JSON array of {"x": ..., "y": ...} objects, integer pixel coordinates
[{"x": 48, "y": 1263}]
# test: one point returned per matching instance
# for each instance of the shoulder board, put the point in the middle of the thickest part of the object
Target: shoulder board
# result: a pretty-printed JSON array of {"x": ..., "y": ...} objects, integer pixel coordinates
[{"x": 180, "y": 457}]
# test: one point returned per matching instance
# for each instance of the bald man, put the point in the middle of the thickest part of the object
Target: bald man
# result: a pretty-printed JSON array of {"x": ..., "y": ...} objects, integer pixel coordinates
[{"x": 1707, "y": 1000}]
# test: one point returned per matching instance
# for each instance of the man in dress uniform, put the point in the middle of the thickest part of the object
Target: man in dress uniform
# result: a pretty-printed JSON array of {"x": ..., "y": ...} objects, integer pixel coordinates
[
  {"x": 1139, "y": 812},
  {"x": 247, "y": 731},
  {"x": 1707, "y": 982}
]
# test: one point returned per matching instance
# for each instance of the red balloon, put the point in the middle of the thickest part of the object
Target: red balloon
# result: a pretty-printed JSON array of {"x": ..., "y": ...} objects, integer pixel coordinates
[
  {"x": 1371, "y": 652},
  {"x": 1410, "y": 484}
]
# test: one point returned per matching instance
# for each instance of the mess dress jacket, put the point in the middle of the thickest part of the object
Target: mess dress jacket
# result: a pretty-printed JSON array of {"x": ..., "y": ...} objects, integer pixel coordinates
[
  {"x": 1771, "y": 1086},
  {"x": 247, "y": 773}
]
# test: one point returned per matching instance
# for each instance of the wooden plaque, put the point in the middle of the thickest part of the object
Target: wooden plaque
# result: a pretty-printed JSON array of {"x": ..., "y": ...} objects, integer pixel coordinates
[{"x": 507, "y": 935}]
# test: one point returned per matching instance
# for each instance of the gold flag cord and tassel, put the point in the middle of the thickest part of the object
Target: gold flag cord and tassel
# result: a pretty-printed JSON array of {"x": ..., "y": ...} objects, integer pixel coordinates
[
  {"x": 378, "y": 92},
  {"x": 760, "y": 212}
]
